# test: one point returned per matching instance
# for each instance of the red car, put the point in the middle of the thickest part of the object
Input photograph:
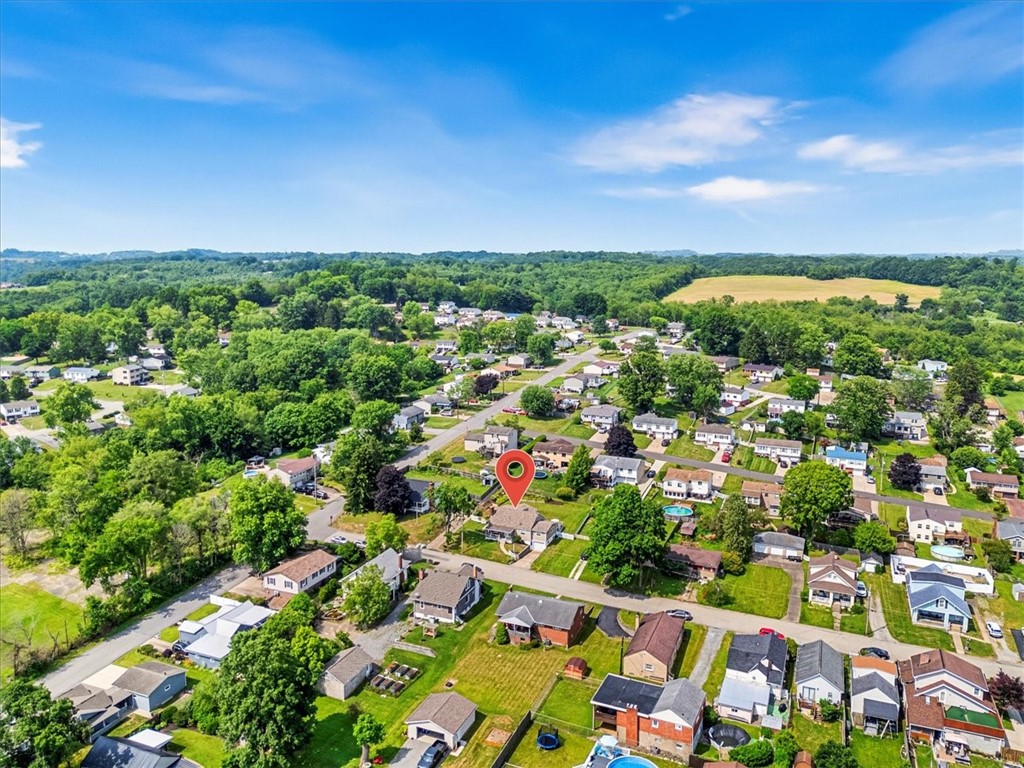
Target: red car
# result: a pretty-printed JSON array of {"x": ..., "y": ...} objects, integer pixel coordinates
[
  {"x": 508, "y": 410},
  {"x": 726, "y": 457},
  {"x": 770, "y": 631}
]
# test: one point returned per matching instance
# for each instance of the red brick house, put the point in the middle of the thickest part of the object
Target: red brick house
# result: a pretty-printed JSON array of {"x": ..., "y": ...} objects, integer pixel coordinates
[{"x": 532, "y": 617}]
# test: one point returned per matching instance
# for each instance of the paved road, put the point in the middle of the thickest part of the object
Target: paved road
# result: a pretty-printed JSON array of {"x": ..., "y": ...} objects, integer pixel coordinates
[
  {"x": 108, "y": 651},
  {"x": 733, "y": 621}
]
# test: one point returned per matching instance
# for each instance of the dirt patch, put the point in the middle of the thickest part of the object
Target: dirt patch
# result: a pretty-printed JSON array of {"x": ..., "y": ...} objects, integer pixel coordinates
[
  {"x": 52, "y": 577},
  {"x": 497, "y": 738}
]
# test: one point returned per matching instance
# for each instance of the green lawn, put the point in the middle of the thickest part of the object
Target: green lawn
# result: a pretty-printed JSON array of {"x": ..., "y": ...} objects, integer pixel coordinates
[
  {"x": 897, "y": 615},
  {"x": 744, "y": 457},
  {"x": 875, "y": 752},
  {"x": 977, "y": 647},
  {"x": 1003, "y": 605},
  {"x": 471, "y": 484},
  {"x": 560, "y": 558},
  {"x": 170, "y": 634},
  {"x": 857, "y": 624},
  {"x": 29, "y": 615},
  {"x": 693, "y": 641},
  {"x": 33, "y": 422},
  {"x": 761, "y": 590},
  {"x": 581, "y": 431},
  {"x": 1012, "y": 402},
  {"x": 569, "y": 701},
  {"x": 811, "y": 735},
  {"x": 442, "y": 422},
  {"x": 685, "y": 448},
  {"x": 201, "y": 748},
  {"x": 816, "y": 616},
  {"x": 548, "y": 425},
  {"x": 717, "y": 671},
  {"x": 473, "y": 543},
  {"x": 642, "y": 441},
  {"x": 964, "y": 497},
  {"x": 777, "y": 387},
  {"x": 573, "y": 750},
  {"x": 892, "y": 514}
]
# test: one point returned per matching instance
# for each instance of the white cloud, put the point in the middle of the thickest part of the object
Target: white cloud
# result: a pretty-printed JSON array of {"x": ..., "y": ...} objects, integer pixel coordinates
[
  {"x": 856, "y": 154},
  {"x": 731, "y": 189},
  {"x": 691, "y": 131},
  {"x": 14, "y": 151},
  {"x": 678, "y": 12},
  {"x": 977, "y": 44}
]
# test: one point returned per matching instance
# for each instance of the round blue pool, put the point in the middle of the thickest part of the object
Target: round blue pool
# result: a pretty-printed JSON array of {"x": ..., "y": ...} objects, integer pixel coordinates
[
  {"x": 948, "y": 553},
  {"x": 250, "y": 473},
  {"x": 674, "y": 510},
  {"x": 631, "y": 761},
  {"x": 540, "y": 474}
]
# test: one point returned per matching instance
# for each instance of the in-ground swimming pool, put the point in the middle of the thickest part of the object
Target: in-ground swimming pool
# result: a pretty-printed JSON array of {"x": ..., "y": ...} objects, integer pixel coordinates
[
  {"x": 250, "y": 473},
  {"x": 947, "y": 553},
  {"x": 631, "y": 761},
  {"x": 674, "y": 510}
]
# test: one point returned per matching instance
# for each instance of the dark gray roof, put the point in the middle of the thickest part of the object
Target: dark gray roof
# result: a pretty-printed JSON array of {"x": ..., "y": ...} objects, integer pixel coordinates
[
  {"x": 147, "y": 677},
  {"x": 534, "y": 609},
  {"x": 874, "y": 682},
  {"x": 617, "y": 692},
  {"x": 682, "y": 697},
  {"x": 748, "y": 652},
  {"x": 1018, "y": 640},
  {"x": 107, "y": 752},
  {"x": 932, "y": 574},
  {"x": 776, "y": 539},
  {"x": 419, "y": 488},
  {"x": 819, "y": 658},
  {"x": 349, "y": 664},
  {"x": 881, "y": 710}
]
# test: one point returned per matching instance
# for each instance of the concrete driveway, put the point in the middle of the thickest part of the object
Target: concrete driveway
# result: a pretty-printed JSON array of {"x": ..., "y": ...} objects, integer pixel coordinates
[{"x": 409, "y": 754}]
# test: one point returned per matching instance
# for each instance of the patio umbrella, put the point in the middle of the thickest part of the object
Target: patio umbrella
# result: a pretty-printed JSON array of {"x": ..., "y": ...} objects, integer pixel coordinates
[{"x": 608, "y": 741}]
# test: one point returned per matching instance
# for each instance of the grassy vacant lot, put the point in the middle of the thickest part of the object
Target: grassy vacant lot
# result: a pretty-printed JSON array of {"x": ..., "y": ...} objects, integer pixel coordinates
[
  {"x": 811, "y": 735},
  {"x": 546, "y": 425},
  {"x": 573, "y": 751},
  {"x": 419, "y": 527},
  {"x": 897, "y": 615},
  {"x": 1003, "y": 605},
  {"x": 746, "y": 288},
  {"x": 1012, "y": 402},
  {"x": 32, "y": 614},
  {"x": 685, "y": 448},
  {"x": 716, "y": 674},
  {"x": 569, "y": 701},
  {"x": 761, "y": 590},
  {"x": 693, "y": 641},
  {"x": 560, "y": 558},
  {"x": 892, "y": 514},
  {"x": 816, "y": 616},
  {"x": 872, "y": 751}
]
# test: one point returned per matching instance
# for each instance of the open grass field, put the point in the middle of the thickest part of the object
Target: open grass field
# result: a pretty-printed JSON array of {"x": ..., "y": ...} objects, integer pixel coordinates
[
  {"x": 32, "y": 614},
  {"x": 897, "y": 615},
  {"x": 1012, "y": 402},
  {"x": 761, "y": 590},
  {"x": 873, "y": 751},
  {"x": 747, "y": 288}
]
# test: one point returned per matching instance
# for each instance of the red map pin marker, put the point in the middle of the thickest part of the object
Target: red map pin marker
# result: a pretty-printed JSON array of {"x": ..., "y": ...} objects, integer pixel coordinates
[{"x": 515, "y": 487}]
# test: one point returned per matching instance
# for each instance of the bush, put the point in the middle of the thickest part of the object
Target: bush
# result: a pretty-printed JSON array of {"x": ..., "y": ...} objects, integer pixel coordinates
[
  {"x": 755, "y": 754},
  {"x": 785, "y": 748},
  {"x": 501, "y": 635},
  {"x": 829, "y": 712},
  {"x": 857, "y": 609},
  {"x": 167, "y": 716},
  {"x": 805, "y": 595},
  {"x": 733, "y": 563},
  {"x": 148, "y": 650},
  {"x": 565, "y": 493},
  {"x": 982, "y": 494},
  {"x": 713, "y": 594}
]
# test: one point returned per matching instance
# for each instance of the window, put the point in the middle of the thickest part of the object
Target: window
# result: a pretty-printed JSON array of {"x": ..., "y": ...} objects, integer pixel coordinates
[
  {"x": 654, "y": 723},
  {"x": 288, "y": 584},
  {"x": 648, "y": 667}
]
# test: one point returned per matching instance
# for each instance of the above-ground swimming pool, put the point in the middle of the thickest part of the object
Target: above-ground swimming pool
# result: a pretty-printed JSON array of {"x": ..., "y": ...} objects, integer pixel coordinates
[
  {"x": 947, "y": 553},
  {"x": 674, "y": 510},
  {"x": 540, "y": 474},
  {"x": 251, "y": 473},
  {"x": 725, "y": 735},
  {"x": 631, "y": 761}
]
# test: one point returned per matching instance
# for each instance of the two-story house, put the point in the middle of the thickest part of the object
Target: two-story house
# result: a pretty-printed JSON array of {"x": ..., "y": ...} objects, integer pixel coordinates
[
  {"x": 447, "y": 598},
  {"x": 831, "y": 579},
  {"x": 408, "y": 416},
  {"x": 609, "y": 471},
  {"x": 768, "y": 496},
  {"x": 695, "y": 563},
  {"x": 687, "y": 484},
  {"x": 132, "y": 375},
  {"x": 934, "y": 368},
  {"x": 494, "y": 440},
  {"x": 1012, "y": 530},
  {"x": 935, "y": 524},
  {"x": 762, "y": 374},
  {"x": 819, "y": 674},
  {"x": 938, "y": 597},
  {"x": 553, "y": 454},
  {"x": 737, "y": 397},
  {"x": 998, "y": 484},
  {"x": 391, "y": 567},
  {"x": 851, "y": 462},
  {"x": 299, "y": 574},
  {"x": 80, "y": 375},
  {"x": 601, "y": 416},
  {"x": 652, "y": 651},
  {"x": 780, "y": 405},
  {"x": 778, "y": 450},
  {"x": 874, "y": 695},
  {"x": 656, "y": 427},
  {"x": 906, "y": 425},
  {"x": 714, "y": 435},
  {"x": 18, "y": 409},
  {"x": 755, "y": 671}
]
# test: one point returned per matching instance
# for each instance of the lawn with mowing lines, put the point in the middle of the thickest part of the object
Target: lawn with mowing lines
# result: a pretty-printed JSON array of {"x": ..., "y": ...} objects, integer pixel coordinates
[
  {"x": 760, "y": 590},
  {"x": 561, "y": 557}
]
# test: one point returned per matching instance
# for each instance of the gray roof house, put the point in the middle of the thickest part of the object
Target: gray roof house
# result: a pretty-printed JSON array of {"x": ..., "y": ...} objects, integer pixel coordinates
[
  {"x": 392, "y": 567},
  {"x": 548, "y": 619},
  {"x": 208, "y": 640},
  {"x": 446, "y": 597},
  {"x": 405, "y": 418},
  {"x": 778, "y": 544},
  {"x": 346, "y": 672},
  {"x": 143, "y": 688},
  {"x": 601, "y": 415},
  {"x": 152, "y": 683},
  {"x": 1012, "y": 530},
  {"x": 819, "y": 674},
  {"x": 755, "y": 669},
  {"x": 656, "y": 426},
  {"x": 874, "y": 701},
  {"x": 445, "y": 716},
  {"x": 419, "y": 502},
  {"x": 124, "y": 753},
  {"x": 610, "y": 471},
  {"x": 936, "y": 596}
]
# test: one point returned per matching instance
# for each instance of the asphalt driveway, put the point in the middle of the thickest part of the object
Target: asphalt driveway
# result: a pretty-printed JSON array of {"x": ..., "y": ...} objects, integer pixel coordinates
[{"x": 608, "y": 622}]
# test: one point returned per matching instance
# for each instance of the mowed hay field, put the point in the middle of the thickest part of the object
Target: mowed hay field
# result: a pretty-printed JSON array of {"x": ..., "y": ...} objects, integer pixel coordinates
[{"x": 745, "y": 288}]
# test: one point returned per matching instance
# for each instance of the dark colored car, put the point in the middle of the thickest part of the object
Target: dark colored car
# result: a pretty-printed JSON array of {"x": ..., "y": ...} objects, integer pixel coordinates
[
  {"x": 878, "y": 653},
  {"x": 651, "y": 473},
  {"x": 435, "y": 754},
  {"x": 665, "y": 442}
]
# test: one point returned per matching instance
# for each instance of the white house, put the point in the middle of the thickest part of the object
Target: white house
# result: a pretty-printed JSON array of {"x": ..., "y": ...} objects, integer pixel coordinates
[
  {"x": 302, "y": 573},
  {"x": 656, "y": 427},
  {"x": 602, "y": 368},
  {"x": 601, "y": 415},
  {"x": 445, "y": 346},
  {"x": 687, "y": 484},
  {"x": 819, "y": 674},
  {"x": 780, "y": 405},
  {"x": 775, "y": 544},
  {"x": 519, "y": 361},
  {"x": 755, "y": 671},
  {"x": 775, "y": 449},
  {"x": 80, "y": 375},
  {"x": 714, "y": 435},
  {"x": 736, "y": 396},
  {"x": 830, "y": 580},
  {"x": 576, "y": 337},
  {"x": 405, "y": 418},
  {"x": 207, "y": 641},
  {"x": 907, "y": 425},
  {"x": 575, "y": 385},
  {"x": 762, "y": 374},
  {"x": 934, "y": 524},
  {"x": 675, "y": 330},
  {"x": 563, "y": 323},
  {"x": 130, "y": 375},
  {"x": 610, "y": 471},
  {"x": 18, "y": 409},
  {"x": 934, "y": 368},
  {"x": 295, "y": 472},
  {"x": 494, "y": 440},
  {"x": 852, "y": 462}
]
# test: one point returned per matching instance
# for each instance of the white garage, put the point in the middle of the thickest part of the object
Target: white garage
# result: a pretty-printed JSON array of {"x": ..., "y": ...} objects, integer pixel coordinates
[
  {"x": 778, "y": 544},
  {"x": 444, "y": 716}
]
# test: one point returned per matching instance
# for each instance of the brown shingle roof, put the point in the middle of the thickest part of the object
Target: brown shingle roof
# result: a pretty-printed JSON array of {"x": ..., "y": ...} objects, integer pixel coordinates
[
  {"x": 688, "y": 475},
  {"x": 442, "y": 587},
  {"x": 659, "y": 634},
  {"x": 521, "y": 518},
  {"x": 295, "y": 466},
  {"x": 934, "y": 661},
  {"x": 752, "y": 488},
  {"x": 445, "y": 710},
  {"x": 699, "y": 558},
  {"x": 558, "y": 445},
  {"x": 303, "y": 566}
]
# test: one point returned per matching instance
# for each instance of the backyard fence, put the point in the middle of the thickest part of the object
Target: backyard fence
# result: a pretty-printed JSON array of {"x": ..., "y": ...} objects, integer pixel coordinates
[{"x": 512, "y": 744}]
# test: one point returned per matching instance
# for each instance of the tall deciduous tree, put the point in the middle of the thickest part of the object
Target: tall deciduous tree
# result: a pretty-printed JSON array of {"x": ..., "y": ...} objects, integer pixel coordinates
[
  {"x": 802, "y": 387},
  {"x": 620, "y": 442},
  {"x": 577, "y": 474},
  {"x": 717, "y": 330},
  {"x": 356, "y": 464},
  {"x": 628, "y": 532},
  {"x": 485, "y": 383},
  {"x": 367, "y": 732},
  {"x": 861, "y": 408},
  {"x": 162, "y": 476},
  {"x": 17, "y": 516},
  {"x": 451, "y": 502},
  {"x": 367, "y": 597},
  {"x": 393, "y": 494},
  {"x": 737, "y": 532},
  {"x": 911, "y": 387},
  {"x": 69, "y": 404},
  {"x": 697, "y": 382},
  {"x": 873, "y": 536},
  {"x": 537, "y": 400},
  {"x": 541, "y": 347},
  {"x": 265, "y": 525},
  {"x": 641, "y": 379},
  {"x": 374, "y": 377},
  {"x": 37, "y": 731},
  {"x": 811, "y": 492},
  {"x": 857, "y": 355},
  {"x": 964, "y": 383},
  {"x": 130, "y": 542},
  {"x": 384, "y": 534},
  {"x": 905, "y": 472}
]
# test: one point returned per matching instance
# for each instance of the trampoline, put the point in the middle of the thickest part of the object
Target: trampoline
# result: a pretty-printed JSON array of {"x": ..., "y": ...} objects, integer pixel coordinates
[
  {"x": 728, "y": 736},
  {"x": 540, "y": 474},
  {"x": 547, "y": 739}
]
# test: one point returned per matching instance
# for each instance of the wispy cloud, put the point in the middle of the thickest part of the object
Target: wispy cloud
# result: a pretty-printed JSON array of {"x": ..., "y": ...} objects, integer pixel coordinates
[
  {"x": 725, "y": 189},
  {"x": 856, "y": 154},
  {"x": 978, "y": 44},
  {"x": 691, "y": 131},
  {"x": 14, "y": 151},
  {"x": 678, "y": 12}
]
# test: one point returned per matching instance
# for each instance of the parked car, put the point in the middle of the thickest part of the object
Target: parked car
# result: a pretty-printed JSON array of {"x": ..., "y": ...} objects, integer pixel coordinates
[
  {"x": 770, "y": 631},
  {"x": 937, "y": 490},
  {"x": 783, "y": 464},
  {"x": 726, "y": 457},
  {"x": 665, "y": 442},
  {"x": 435, "y": 754},
  {"x": 871, "y": 480},
  {"x": 338, "y": 538},
  {"x": 322, "y": 495},
  {"x": 651, "y": 473},
  {"x": 878, "y": 653},
  {"x": 509, "y": 409},
  {"x": 679, "y": 613},
  {"x": 862, "y": 589},
  {"x": 994, "y": 630}
]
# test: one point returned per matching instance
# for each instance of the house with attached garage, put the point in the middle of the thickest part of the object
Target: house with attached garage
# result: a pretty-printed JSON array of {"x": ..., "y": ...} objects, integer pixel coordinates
[
  {"x": 737, "y": 397},
  {"x": 699, "y": 564},
  {"x": 143, "y": 688},
  {"x": 601, "y": 416},
  {"x": 391, "y": 566},
  {"x": 688, "y": 484},
  {"x": 609, "y": 471},
  {"x": 445, "y": 597},
  {"x": 776, "y": 449},
  {"x": 776, "y": 544},
  {"x": 935, "y": 525},
  {"x": 780, "y": 405},
  {"x": 207, "y": 641},
  {"x": 408, "y": 416},
  {"x": 447, "y": 717},
  {"x": 754, "y": 684},
  {"x": 714, "y": 435},
  {"x": 296, "y": 472},
  {"x": 874, "y": 696},
  {"x": 762, "y": 374},
  {"x": 765, "y": 495},
  {"x": 653, "y": 648},
  {"x": 300, "y": 574},
  {"x": 445, "y": 346},
  {"x": 830, "y": 580},
  {"x": 906, "y": 425},
  {"x": 435, "y": 403},
  {"x": 819, "y": 674},
  {"x": 934, "y": 368},
  {"x": 553, "y": 454},
  {"x": 1012, "y": 530},
  {"x": 656, "y": 427},
  {"x": 346, "y": 672},
  {"x": 938, "y": 597},
  {"x": 933, "y": 473},
  {"x": 602, "y": 368},
  {"x": 577, "y": 385},
  {"x": 665, "y": 718},
  {"x": 519, "y": 361},
  {"x": 551, "y": 621},
  {"x": 523, "y": 522},
  {"x": 81, "y": 375},
  {"x": 494, "y": 440},
  {"x": 725, "y": 363},
  {"x": 998, "y": 484},
  {"x": 18, "y": 409},
  {"x": 851, "y": 462}
]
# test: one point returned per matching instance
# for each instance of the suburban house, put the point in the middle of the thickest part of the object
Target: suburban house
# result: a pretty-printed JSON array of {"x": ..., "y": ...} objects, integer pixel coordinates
[
  {"x": 1012, "y": 530},
  {"x": 419, "y": 501},
  {"x": 130, "y": 375},
  {"x": 444, "y": 716},
  {"x": 432, "y": 403},
  {"x": 656, "y": 427},
  {"x": 445, "y": 346},
  {"x": 936, "y": 596},
  {"x": 714, "y": 435},
  {"x": 831, "y": 579},
  {"x": 18, "y": 409},
  {"x": 776, "y": 544},
  {"x": 530, "y": 617},
  {"x": 949, "y": 706},
  {"x": 675, "y": 330},
  {"x": 725, "y": 363},
  {"x": 934, "y": 368},
  {"x": 576, "y": 337},
  {"x": 132, "y": 753},
  {"x": 346, "y": 672},
  {"x": 446, "y": 597},
  {"x": 997, "y": 484},
  {"x": 80, "y": 375},
  {"x": 818, "y": 675},
  {"x": 143, "y": 688},
  {"x": 766, "y": 495},
  {"x": 700, "y": 564},
  {"x": 300, "y": 574},
  {"x": 736, "y": 396},
  {"x": 42, "y": 372},
  {"x": 575, "y": 385},
  {"x": 609, "y": 471},
  {"x": 392, "y": 567},
  {"x": 519, "y": 361},
  {"x": 153, "y": 363},
  {"x": 601, "y": 415},
  {"x": 553, "y": 454},
  {"x": 602, "y": 368},
  {"x": 851, "y": 462},
  {"x": 525, "y": 523},
  {"x": 762, "y": 374},
  {"x": 933, "y": 472},
  {"x": 934, "y": 524},
  {"x": 207, "y": 641},
  {"x": 776, "y": 449},
  {"x": 442, "y": 320},
  {"x": 668, "y": 718},
  {"x": 874, "y": 696},
  {"x": 780, "y": 405},
  {"x": 563, "y": 323},
  {"x": 687, "y": 484},
  {"x": 405, "y": 418},
  {"x": 492, "y": 441},
  {"x": 652, "y": 650},
  {"x": 994, "y": 410},
  {"x": 907, "y": 425},
  {"x": 755, "y": 669},
  {"x": 294, "y": 472}
]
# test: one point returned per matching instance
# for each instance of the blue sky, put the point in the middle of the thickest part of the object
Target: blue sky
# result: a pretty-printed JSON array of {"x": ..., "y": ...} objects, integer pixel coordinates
[{"x": 800, "y": 127}]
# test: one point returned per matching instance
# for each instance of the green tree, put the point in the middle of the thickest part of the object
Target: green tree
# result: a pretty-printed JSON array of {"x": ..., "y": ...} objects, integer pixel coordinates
[
  {"x": 357, "y": 464},
  {"x": 69, "y": 404},
  {"x": 374, "y": 377},
  {"x": 802, "y": 387},
  {"x": 524, "y": 328},
  {"x": 861, "y": 408},
  {"x": 18, "y": 389},
  {"x": 812, "y": 491},
  {"x": 967, "y": 457},
  {"x": 537, "y": 400},
  {"x": 17, "y": 516},
  {"x": 857, "y": 355},
  {"x": 697, "y": 382},
  {"x": 384, "y": 534},
  {"x": 641, "y": 379},
  {"x": 127, "y": 333},
  {"x": 541, "y": 347},
  {"x": 393, "y": 494},
  {"x": 451, "y": 502},
  {"x": 162, "y": 476},
  {"x": 911, "y": 387},
  {"x": 35, "y": 730},
  {"x": 470, "y": 340},
  {"x": 620, "y": 442},
  {"x": 873, "y": 536},
  {"x": 737, "y": 532},
  {"x": 628, "y": 533},
  {"x": 964, "y": 384},
  {"x": 374, "y": 418},
  {"x": 368, "y": 731},
  {"x": 312, "y": 652},
  {"x": 265, "y": 525},
  {"x": 577, "y": 474},
  {"x": 1000, "y": 555},
  {"x": 950, "y": 429},
  {"x": 832, "y": 754},
  {"x": 717, "y": 330},
  {"x": 793, "y": 423},
  {"x": 131, "y": 540},
  {"x": 367, "y": 597}
]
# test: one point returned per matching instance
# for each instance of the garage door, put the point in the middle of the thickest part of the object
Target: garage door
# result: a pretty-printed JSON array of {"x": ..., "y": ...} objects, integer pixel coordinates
[{"x": 425, "y": 733}]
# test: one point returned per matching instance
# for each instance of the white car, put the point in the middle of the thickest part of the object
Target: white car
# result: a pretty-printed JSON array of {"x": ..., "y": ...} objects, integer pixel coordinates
[
  {"x": 994, "y": 630},
  {"x": 337, "y": 539}
]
